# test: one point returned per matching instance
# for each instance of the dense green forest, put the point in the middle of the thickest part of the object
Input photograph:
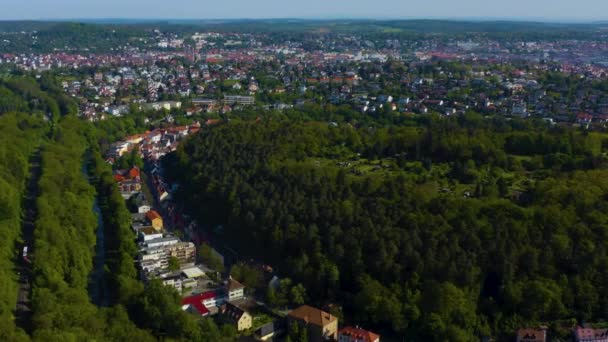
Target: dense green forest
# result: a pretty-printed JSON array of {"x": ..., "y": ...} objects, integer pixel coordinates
[
  {"x": 20, "y": 136},
  {"x": 35, "y": 96},
  {"x": 442, "y": 229},
  {"x": 34, "y": 36}
]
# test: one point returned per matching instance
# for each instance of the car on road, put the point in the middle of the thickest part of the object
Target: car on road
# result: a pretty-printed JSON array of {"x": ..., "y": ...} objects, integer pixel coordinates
[{"x": 25, "y": 256}]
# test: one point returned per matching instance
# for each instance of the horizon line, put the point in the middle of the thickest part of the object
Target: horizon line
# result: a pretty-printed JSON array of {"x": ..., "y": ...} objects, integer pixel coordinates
[{"x": 528, "y": 19}]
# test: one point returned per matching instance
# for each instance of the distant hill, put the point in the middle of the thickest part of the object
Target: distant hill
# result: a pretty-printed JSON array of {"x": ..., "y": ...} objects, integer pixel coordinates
[{"x": 415, "y": 25}]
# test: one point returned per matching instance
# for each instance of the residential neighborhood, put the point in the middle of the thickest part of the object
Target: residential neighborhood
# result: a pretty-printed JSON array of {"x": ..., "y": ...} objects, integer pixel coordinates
[{"x": 221, "y": 74}]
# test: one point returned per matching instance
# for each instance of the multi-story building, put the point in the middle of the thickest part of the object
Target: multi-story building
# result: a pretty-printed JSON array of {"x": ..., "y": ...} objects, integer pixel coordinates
[
  {"x": 321, "y": 325},
  {"x": 156, "y": 258},
  {"x": 239, "y": 100},
  {"x": 184, "y": 252}
]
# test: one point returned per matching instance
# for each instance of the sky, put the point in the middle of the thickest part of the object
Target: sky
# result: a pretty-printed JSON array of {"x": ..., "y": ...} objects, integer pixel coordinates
[{"x": 549, "y": 10}]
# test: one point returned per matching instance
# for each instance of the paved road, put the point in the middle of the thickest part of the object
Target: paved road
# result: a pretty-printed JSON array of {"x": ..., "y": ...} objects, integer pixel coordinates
[{"x": 23, "y": 310}]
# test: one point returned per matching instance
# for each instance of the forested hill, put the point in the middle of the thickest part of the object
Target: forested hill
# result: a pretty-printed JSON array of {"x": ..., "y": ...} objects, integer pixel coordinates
[{"x": 448, "y": 229}]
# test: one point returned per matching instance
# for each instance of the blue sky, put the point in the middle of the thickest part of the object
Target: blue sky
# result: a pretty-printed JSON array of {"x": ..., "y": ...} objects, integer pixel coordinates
[{"x": 563, "y": 10}]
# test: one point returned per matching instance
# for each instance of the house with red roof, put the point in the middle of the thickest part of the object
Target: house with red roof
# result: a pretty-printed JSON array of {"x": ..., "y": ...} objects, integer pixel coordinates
[
  {"x": 532, "y": 334},
  {"x": 356, "y": 334},
  {"x": 134, "y": 173},
  {"x": 582, "y": 334},
  {"x": 204, "y": 303},
  {"x": 129, "y": 181},
  {"x": 196, "y": 303}
]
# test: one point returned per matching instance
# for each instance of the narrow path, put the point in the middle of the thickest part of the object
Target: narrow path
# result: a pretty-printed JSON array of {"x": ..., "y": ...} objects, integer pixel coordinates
[
  {"x": 23, "y": 310},
  {"x": 98, "y": 285},
  {"x": 98, "y": 289}
]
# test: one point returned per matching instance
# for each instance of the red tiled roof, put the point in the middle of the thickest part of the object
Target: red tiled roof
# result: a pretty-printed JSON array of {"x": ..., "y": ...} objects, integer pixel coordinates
[
  {"x": 152, "y": 214},
  {"x": 134, "y": 173},
  {"x": 359, "y": 334},
  {"x": 197, "y": 301}
]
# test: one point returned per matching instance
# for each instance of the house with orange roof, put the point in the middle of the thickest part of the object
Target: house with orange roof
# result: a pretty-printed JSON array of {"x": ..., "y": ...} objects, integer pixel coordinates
[
  {"x": 155, "y": 219},
  {"x": 129, "y": 181},
  {"x": 134, "y": 173},
  {"x": 320, "y": 325},
  {"x": 356, "y": 334}
]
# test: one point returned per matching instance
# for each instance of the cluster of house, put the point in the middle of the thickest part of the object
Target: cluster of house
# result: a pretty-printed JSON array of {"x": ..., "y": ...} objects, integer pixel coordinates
[
  {"x": 226, "y": 299},
  {"x": 229, "y": 302},
  {"x": 161, "y": 255},
  {"x": 222, "y": 73},
  {"x": 515, "y": 93},
  {"x": 214, "y": 47},
  {"x": 580, "y": 334},
  {"x": 152, "y": 145},
  {"x": 323, "y": 326},
  {"x": 129, "y": 181}
]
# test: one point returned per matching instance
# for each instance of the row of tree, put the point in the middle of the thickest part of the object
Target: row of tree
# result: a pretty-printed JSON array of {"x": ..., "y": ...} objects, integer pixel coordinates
[
  {"x": 21, "y": 134},
  {"x": 64, "y": 246}
]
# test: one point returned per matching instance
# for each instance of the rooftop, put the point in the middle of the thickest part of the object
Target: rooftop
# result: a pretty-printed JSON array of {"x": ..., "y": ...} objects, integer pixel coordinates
[
  {"x": 193, "y": 272},
  {"x": 359, "y": 334},
  {"x": 234, "y": 285},
  {"x": 312, "y": 315},
  {"x": 196, "y": 301},
  {"x": 153, "y": 214},
  {"x": 148, "y": 230}
]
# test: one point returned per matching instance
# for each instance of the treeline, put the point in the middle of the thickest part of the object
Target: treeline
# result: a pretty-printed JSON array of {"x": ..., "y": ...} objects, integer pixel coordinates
[
  {"x": 72, "y": 36},
  {"x": 35, "y": 96},
  {"x": 401, "y": 250},
  {"x": 64, "y": 246},
  {"x": 120, "y": 246},
  {"x": 20, "y": 136}
]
